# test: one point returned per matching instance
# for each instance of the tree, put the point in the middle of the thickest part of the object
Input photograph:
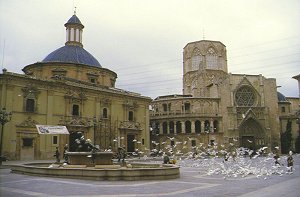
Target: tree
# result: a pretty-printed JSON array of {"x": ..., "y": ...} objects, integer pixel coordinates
[{"x": 286, "y": 138}]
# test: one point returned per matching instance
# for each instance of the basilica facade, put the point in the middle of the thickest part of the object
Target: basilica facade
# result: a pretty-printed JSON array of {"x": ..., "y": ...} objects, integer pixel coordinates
[
  {"x": 71, "y": 88},
  {"x": 216, "y": 107}
]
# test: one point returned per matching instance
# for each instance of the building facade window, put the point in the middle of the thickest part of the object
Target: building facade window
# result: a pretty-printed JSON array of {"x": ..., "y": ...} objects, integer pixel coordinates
[
  {"x": 211, "y": 59},
  {"x": 171, "y": 129},
  {"x": 178, "y": 127},
  {"x": 282, "y": 109},
  {"x": 30, "y": 99},
  {"x": 27, "y": 142},
  {"x": 55, "y": 140},
  {"x": 197, "y": 126},
  {"x": 75, "y": 110},
  {"x": 207, "y": 126},
  {"x": 187, "y": 106},
  {"x": 188, "y": 126},
  {"x": 245, "y": 96},
  {"x": 30, "y": 105},
  {"x": 196, "y": 60},
  {"x": 216, "y": 126},
  {"x": 165, "y": 126},
  {"x": 130, "y": 115},
  {"x": 104, "y": 113},
  {"x": 157, "y": 129},
  {"x": 165, "y": 107}
]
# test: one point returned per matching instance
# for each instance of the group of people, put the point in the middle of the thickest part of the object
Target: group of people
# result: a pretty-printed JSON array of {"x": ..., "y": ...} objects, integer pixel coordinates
[
  {"x": 65, "y": 156},
  {"x": 290, "y": 161}
]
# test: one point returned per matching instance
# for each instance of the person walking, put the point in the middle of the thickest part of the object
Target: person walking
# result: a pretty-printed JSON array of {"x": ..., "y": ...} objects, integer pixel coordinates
[
  {"x": 57, "y": 155},
  {"x": 290, "y": 162}
]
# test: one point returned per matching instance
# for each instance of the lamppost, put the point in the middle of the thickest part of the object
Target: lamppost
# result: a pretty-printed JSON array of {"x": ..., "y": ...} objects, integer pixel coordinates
[{"x": 4, "y": 118}]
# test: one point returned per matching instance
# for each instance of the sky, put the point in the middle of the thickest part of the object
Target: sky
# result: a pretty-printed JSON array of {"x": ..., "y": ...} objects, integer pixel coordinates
[{"x": 142, "y": 40}]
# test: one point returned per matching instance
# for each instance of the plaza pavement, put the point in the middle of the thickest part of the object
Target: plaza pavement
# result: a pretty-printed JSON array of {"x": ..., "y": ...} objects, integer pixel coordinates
[{"x": 192, "y": 182}]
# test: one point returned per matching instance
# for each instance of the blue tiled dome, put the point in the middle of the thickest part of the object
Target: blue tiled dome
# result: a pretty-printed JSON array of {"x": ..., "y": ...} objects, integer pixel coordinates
[
  {"x": 281, "y": 97},
  {"x": 72, "y": 54}
]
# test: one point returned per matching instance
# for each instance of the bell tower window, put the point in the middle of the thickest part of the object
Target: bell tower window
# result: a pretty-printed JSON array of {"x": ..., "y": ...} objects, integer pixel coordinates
[
  {"x": 196, "y": 59},
  {"x": 211, "y": 59}
]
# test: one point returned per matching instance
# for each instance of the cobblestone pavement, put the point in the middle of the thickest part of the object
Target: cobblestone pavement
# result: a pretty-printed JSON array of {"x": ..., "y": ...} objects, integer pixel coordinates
[{"x": 192, "y": 182}]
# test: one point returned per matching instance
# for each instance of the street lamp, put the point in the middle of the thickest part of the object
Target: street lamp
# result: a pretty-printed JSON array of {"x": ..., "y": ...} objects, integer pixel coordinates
[{"x": 4, "y": 118}]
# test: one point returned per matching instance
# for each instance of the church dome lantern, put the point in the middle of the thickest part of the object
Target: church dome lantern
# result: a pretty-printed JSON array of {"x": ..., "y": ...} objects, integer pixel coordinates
[
  {"x": 73, "y": 51},
  {"x": 74, "y": 29}
]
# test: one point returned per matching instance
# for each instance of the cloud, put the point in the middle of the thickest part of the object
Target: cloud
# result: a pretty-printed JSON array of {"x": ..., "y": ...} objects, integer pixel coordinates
[{"x": 147, "y": 37}]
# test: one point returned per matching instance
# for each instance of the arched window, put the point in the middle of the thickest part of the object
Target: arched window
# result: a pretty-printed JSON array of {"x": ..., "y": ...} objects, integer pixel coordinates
[
  {"x": 157, "y": 128},
  {"x": 178, "y": 127},
  {"x": 165, "y": 126},
  {"x": 211, "y": 59},
  {"x": 197, "y": 126},
  {"x": 196, "y": 59},
  {"x": 171, "y": 127},
  {"x": 207, "y": 126},
  {"x": 188, "y": 126},
  {"x": 75, "y": 110},
  {"x": 104, "y": 113}
]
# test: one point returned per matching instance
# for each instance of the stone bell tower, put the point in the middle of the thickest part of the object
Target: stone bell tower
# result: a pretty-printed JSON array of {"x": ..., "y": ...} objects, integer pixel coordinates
[{"x": 204, "y": 66}]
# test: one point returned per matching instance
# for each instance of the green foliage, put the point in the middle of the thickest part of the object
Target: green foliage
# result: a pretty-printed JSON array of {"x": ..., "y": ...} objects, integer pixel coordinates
[{"x": 286, "y": 138}]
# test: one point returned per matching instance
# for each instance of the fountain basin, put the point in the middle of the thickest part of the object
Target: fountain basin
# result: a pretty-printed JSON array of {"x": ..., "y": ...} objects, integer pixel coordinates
[
  {"x": 85, "y": 158},
  {"x": 115, "y": 172}
]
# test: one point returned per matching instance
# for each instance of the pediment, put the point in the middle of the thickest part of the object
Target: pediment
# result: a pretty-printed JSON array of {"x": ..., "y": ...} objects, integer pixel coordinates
[{"x": 29, "y": 122}]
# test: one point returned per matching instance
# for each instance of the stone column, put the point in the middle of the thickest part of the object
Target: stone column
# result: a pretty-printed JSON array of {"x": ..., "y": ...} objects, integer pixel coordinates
[
  {"x": 202, "y": 126},
  {"x": 160, "y": 128},
  {"x": 193, "y": 126},
  {"x": 183, "y": 126},
  {"x": 168, "y": 127},
  {"x": 175, "y": 127},
  {"x": 212, "y": 125}
]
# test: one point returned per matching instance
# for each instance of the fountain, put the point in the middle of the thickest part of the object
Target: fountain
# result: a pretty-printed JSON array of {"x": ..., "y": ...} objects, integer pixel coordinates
[
  {"x": 87, "y": 154},
  {"x": 88, "y": 162}
]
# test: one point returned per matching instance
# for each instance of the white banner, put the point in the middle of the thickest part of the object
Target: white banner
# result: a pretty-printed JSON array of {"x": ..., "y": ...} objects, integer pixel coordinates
[{"x": 52, "y": 129}]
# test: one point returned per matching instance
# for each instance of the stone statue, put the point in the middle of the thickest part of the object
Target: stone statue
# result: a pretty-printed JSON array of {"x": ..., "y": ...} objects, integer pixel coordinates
[{"x": 84, "y": 145}]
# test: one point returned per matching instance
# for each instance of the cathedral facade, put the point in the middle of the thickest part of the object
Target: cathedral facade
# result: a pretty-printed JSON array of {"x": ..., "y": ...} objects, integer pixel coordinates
[
  {"x": 71, "y": 88},
  {"x": 216, "y": 107}
]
